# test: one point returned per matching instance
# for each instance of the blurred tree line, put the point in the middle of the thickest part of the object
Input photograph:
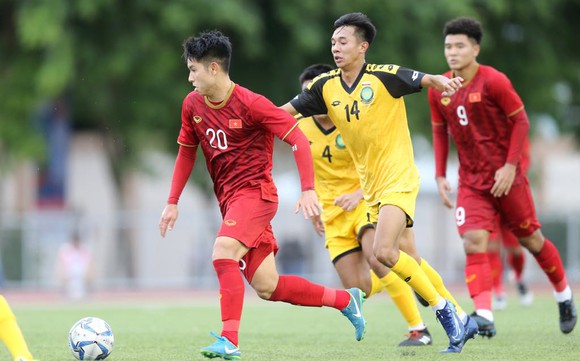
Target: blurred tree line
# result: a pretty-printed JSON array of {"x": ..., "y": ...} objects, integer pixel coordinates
[{"x": 118, "y": 63}]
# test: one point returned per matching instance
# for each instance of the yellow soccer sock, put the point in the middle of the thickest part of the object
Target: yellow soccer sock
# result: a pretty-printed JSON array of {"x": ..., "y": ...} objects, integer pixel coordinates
[
  {"x": 403, "y": 297},
  {"x": 10, "y": 332},
  {"x": 376, "y": 285},
  {"x": 437, "y": 282},
  {"x": 409, "y": 271}
]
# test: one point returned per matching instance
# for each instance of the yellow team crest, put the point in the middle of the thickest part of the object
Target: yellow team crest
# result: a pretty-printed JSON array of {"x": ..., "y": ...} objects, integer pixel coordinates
[
  {"x": 445, "y": 101},
  {"x": 197, "y": 119}
]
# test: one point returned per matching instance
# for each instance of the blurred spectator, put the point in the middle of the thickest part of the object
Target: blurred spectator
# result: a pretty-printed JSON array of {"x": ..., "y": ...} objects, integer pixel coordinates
[{"x": 75, "y": 268}]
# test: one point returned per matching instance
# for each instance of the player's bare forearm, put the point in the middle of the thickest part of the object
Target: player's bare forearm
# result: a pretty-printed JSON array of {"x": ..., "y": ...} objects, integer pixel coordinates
[
  {"x": 289, "y": 108},
  {"x": 442, "y": 83}
]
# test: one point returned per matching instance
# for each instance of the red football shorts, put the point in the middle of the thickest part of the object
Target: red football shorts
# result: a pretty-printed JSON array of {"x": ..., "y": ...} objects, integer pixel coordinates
[
  {"x": 247, "y": 219},
  {"x": 479, "y": 210},
  {"x": 501, "y": 231}
]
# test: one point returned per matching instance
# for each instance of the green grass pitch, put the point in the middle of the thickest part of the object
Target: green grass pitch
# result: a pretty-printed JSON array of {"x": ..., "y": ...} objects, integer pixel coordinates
[{"x": 175, "y": 331}]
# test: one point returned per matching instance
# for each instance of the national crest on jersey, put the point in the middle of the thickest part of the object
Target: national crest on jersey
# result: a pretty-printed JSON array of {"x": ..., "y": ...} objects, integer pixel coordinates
[
  {"x": 339, "y": 143},
  {"x": 367, "y": 94}
]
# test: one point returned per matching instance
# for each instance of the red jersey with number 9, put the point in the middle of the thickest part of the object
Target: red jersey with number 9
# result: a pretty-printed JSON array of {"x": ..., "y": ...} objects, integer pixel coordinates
[{"x": 476, "y": 117}]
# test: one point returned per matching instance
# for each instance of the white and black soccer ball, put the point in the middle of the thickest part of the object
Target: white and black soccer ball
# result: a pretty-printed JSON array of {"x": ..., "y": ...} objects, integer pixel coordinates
[{"x": 91, "y": 338}]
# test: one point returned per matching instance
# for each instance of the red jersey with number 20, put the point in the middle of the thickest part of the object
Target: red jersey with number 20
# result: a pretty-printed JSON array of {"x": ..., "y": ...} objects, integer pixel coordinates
[
  {"x": 237, "y": 139},
  {"x": 476, "y": 117}
]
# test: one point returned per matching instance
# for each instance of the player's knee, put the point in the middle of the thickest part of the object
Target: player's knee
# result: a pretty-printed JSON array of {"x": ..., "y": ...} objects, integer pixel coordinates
[
  {"x": 375, "y": 265},
  {"x": 534, "y": 242},
  {"x": 265, "y": 295},
  {"x": 264, "y": 290},
  {"x": 474, "y": 245},
  {"x": 387, "y": 256}
]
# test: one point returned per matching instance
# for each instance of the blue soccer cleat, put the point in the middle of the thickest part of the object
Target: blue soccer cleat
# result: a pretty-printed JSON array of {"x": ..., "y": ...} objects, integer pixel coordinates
[
  {"x": 452, "y": 324},
  {"x": 353, "y": 311},
  {"x": 471, "y": 329},
  {"x": 221, "y": 348}
]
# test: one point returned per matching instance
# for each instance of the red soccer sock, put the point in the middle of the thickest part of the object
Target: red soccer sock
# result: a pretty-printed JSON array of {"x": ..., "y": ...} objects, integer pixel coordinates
[
  {"x": 478, "y": 280},
  {"x": 549, "y": 260},
  {"x": 516, "y": 262},
  {"x": 231, "y": 296},
  {"x": 299, "y": 291},
  {"x": 496, "y": 271}
]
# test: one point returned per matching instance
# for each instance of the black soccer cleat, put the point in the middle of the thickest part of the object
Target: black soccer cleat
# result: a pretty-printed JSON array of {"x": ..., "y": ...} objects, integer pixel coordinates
[
  {"x": 421, "y": 300},
  {"x": 568, "y": 316},
  {"x": 486, "y": 327},
  {"x": 417, "y": 338},
  {"x": 526, "y": 296}
]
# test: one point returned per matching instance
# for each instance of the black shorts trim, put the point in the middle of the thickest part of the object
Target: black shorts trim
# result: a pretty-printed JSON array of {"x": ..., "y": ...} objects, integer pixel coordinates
[
  {"x": 357, "y": 249},
  {"x": 362, "y": 230}
]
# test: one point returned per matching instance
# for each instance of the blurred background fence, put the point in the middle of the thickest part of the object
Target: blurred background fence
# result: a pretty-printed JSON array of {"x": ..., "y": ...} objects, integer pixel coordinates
[{"x": 129, "y": 253}]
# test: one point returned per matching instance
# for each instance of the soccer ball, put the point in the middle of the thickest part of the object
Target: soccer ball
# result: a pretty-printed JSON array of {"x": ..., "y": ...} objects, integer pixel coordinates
[{"x": 91, "y": 338}]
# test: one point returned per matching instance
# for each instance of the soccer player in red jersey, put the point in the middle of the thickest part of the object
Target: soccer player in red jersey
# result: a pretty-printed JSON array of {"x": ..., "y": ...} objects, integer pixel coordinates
[
  {"x": 235, "y": 129},
  {"x": 488, "y": 123}
]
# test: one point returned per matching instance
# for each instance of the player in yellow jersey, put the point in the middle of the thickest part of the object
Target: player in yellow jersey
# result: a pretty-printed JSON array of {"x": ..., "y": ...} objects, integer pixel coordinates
[
  {"x": 365, "y": 102},
  {"x": 349, "y": 235},
  {"x": 11, "y": 335}
]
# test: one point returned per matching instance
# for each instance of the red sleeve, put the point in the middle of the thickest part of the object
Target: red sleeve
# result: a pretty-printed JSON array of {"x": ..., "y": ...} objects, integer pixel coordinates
[
  {"x": 441, "y": 149},
  {"x": 275, "y": 119},
  {"x": 187, "y": 136},
  {"x": 525, "y": 160},
  {"x": 303, "y": 156},
  {"x": 504, "y": 94},
  {"x": 518, "y": 137},
  {"x": 183, "y": 166},
  {"x": 440, "y": 135}
]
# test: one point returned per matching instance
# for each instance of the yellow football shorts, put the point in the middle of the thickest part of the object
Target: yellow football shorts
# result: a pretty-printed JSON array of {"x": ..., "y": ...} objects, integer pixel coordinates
[
  {"x": 404, "y": 200},
  {"x": 343, "y": 231}
]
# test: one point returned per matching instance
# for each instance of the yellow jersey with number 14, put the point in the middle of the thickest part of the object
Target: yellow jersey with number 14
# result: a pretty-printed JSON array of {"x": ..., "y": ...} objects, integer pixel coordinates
[{"x": 372, "y": 119}]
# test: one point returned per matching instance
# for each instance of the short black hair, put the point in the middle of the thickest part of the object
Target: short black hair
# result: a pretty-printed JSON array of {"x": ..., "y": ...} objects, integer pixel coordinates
[
  {"x": 466, "y": 26},
  {"x": 313, "y": 71},
  {"x": 364, "y": 26},
  {"x": 209, "y": 46}
]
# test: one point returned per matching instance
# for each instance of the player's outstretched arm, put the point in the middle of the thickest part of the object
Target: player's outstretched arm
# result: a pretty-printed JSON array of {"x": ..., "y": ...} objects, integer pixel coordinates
[
  {"x": 442, "y": 83},
  {"x": 289, "y": 108},
  {"x": 181, "y": 171}
]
